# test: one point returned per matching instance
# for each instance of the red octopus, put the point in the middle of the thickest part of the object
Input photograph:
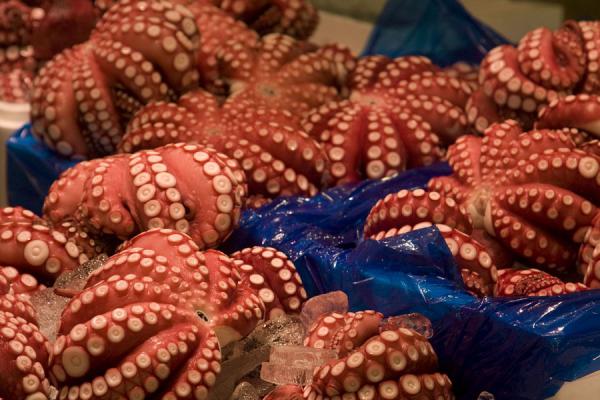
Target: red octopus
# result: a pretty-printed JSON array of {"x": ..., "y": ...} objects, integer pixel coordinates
[
  {"x": 399, "y": 114},
  {"x": 545, "y": 67},
  {"x": 39, "y": 251},
  {"x": 152, "y": 320},
  {"x": 139, "y": 52},
  {"x": 536, "y": 192},
  {"x": 186, "y": 187},
  {"x": 24, "y": 351},
  {"x": 580, "y": 111},
  {"x": 296, "y": 18},
  {"x": 533, "y": 282},
  {"x": 408, "y": 210},
  {"x": 281, "y": 72},
  {"x": 17, "y": 23},
  {"x": 277, "y": 157},
  {"x": 374, "y": 364}
]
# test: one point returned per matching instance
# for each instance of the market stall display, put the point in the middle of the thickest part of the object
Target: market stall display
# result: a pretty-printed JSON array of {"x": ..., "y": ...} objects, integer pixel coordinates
[{"x": 243, "y": 214}]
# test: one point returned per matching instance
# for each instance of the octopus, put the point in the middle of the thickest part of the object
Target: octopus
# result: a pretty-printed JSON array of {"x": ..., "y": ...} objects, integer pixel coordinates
[
  {"x": 138, "y": 52},
  {"x": 374, "y": 363},
  {"x": 533, "y": 282},
  {"x": 296, "y": 18},
  {"x": 536, "y": 192},
  {"x": 589, "y": 253},
  {"x": 545, "y": 68},
  {"x": 151, "y": 321},
  {"x": 32, "y": 250},
  {"x": 15, "y": 86},
  {"x": 406, "y": 210},
  {"x": 24, "y": 351},
  {"x": 399, "y": 114},
  {"x": 186, "y": 187},
  {"x": 277, "y": 157},
  {"x": 64, "y": 23},
  {"x": 281, "y": 72},
  {"x": 580, "y": 111},
  {"x": 18, "y": 21}
]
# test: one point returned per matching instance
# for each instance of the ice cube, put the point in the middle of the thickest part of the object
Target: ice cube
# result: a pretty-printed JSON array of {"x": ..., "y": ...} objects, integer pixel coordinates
[
  {"x": 323, "y": 304},
  {"x": 283, "y": 330},
  {"x": 486, "y": 396},
  {"x": 300, "y": 356},
  {"x": 48, "y": 306},
  {"x": 244, "y": 357},
  {"x": 414, "y": 321},
  {"x": 76, "y": 279},
  {"x": 262, "y": 387},
  {"x": 294, "y": 364},
  {"x": 282, "y": 374},
  {"x": 245, "y": 391}
]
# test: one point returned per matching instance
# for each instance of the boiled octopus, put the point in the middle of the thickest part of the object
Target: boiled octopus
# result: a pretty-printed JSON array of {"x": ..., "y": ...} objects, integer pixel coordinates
[
  {"x": 399, "y": 115},
  {"x": 24, "y": 351},
  {"x": 580, "y": 111},
  {"x": 18, "y": 20},
  {"x": 545, "y": 67},
  {"x": 536, "y": 192},
  {"x": 281, "y": 72},
  {"x": 277, "y": 157},
  {"x": 190, "y": 188},
  {"x": 410, "y": 210},
  {"x": 533, "y": 282},
  {"x": 151, "y": 321},
  {"x": 139, "y": 52},
  {"x": 38, "y": 251},
  {"x": 394, "y": 363},
  {"x": 296, "y": 18}
]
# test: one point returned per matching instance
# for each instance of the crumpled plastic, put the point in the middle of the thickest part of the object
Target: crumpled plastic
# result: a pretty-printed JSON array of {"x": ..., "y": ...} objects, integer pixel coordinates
[
  {"x": 439, "y": 29},
  {"x": 514, "y": 348},
  {"x": 31, "y": 168}
]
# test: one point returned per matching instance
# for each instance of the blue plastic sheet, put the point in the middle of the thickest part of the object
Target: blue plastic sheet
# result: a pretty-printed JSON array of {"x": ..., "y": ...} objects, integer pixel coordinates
[
  {"x": 32, "y": 167},
  {"x": 517, "y": 349},
  {"x": 439, "y": 29}
]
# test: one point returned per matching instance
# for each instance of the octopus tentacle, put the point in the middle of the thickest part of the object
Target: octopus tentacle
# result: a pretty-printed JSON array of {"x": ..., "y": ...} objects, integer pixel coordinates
[
  {"x": 138, "y": 53},
  {"x": 125, "y": 194},
  {"x": 394, "y": 118},
  {"x": 412, "y": 207},
  {"x": 376, "y": 362},
  {"x": 533, "y": 282},
  {"x": 581, "y": 111},
  {"x": 24, "y": 355},
  {"x": 534, "y": 191},
  {"x": 281, "y": 275},
  {"x": 547, "y": 67},
  {"x": 343, "y": 332}
]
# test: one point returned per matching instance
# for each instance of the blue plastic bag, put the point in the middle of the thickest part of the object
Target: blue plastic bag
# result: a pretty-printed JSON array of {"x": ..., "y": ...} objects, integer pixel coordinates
[
  {"x": 439, "y": 29},
  {"x": 32, "y": 167},
  {"x": 516, "y": 349}
]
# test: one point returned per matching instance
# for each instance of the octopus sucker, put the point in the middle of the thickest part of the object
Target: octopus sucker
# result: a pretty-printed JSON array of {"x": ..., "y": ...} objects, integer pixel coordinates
[
  {"x": 79, "y": 103},
  {"x": 257, "y": 138},
  {"x": 387, "y": 116},
  {"x": 152, "y": 319},
  {"x": 374, "y": 363},
  {"x": 547, "y": 79},
  {"x": 122, "y": 195},
  {"x": 534, "y": 191}
]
